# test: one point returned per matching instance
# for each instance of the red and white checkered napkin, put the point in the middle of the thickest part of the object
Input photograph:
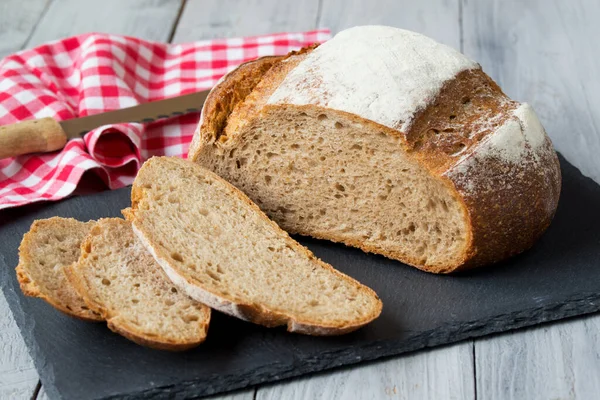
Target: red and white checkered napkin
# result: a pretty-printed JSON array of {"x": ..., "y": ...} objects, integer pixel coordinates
[{"x": 94, "y": 73}]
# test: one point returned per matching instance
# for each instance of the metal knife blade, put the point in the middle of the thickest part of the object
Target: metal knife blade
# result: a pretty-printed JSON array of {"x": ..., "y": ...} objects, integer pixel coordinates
[
  {"x": 143, "y": 113},
  {"x": 47, "y": 134}
]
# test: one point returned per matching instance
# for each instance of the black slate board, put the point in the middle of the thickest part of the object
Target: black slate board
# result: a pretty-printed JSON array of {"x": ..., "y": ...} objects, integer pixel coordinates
[{"x": 558, "y": 278}]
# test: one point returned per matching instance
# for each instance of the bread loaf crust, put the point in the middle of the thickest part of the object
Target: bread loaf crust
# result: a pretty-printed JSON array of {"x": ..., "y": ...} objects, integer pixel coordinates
[{"x": 491, "y": 152}]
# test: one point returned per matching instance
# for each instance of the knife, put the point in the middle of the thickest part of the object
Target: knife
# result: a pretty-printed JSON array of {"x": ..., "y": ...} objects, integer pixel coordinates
[{"x": 48, "y": 134}]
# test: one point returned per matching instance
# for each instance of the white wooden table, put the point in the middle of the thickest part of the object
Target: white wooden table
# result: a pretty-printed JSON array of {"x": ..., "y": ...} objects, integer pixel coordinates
[{"x": 546, "y": 52}]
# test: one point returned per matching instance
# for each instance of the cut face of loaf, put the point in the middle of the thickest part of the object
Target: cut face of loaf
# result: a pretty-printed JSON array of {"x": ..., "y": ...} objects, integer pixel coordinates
[
  {"x": 121, "y": 281},
  {"x": 388, "y": 141},
  {"x": 218, "y": 247},
  {"x": 317, "y": 173},
  {"x": 50, "y": 246}
]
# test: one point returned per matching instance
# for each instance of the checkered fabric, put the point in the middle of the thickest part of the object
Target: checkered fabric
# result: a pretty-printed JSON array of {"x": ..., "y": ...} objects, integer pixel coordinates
[{"x": 94, "y": 73}]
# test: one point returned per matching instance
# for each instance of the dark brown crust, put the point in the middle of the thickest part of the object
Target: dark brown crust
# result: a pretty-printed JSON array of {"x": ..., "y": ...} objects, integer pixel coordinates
[
  {"x": 255, "y": 313},
  {"x": 506, "y": 221},
  {"x": 467, "y": 109},
  {"x": 502, "y": 221}
]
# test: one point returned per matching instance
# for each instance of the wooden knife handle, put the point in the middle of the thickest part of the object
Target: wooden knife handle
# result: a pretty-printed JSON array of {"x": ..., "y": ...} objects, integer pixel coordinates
[{"x": 39, "y": 135}]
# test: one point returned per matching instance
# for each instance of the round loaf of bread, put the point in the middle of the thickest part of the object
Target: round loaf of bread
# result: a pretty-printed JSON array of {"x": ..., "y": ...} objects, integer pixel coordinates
[{"x": 385, "y": 140}]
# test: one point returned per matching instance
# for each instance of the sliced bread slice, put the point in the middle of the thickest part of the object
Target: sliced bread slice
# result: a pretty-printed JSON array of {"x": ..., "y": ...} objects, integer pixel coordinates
[
  {"x": 50, "y": 246},
  {"x": 121, "y": 281},
  {"x": 217, "y": 246}
]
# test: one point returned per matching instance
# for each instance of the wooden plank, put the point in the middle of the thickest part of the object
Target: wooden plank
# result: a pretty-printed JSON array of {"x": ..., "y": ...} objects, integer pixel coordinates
[
  {"x": 546, "y": 53},
  {"x": 227, "y": 18},
  {"x": 247, "y": 394},
  {"x": 433, "y": 374},
  {"x": 243, "y": 395},
  {"x": 146, "y": 19},
  {"x": 18, "y": 376},
  {"x": 559, "y": 361},
  {"x": 17, "y": 20},
  {"x": 435, "y": 18}
]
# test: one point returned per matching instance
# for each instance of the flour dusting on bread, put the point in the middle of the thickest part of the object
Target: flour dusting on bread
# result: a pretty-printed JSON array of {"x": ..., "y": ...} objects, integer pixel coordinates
[
  {"x": 402, "y": 73},
  {"x": 521, "y": 139}
]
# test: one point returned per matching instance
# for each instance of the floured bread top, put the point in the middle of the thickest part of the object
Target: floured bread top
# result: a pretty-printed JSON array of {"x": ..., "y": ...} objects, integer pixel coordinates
[
  {"x": 402, "y": 74},
  {"x": 519, "y": 141},
  {"x": 522, "y": 133}
]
